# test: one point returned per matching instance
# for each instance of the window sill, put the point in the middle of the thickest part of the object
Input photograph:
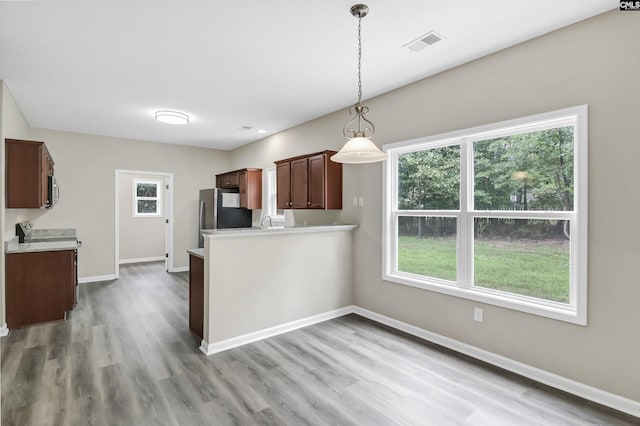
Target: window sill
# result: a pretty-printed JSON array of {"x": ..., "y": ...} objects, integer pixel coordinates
[{"x": 553, "y": 310}]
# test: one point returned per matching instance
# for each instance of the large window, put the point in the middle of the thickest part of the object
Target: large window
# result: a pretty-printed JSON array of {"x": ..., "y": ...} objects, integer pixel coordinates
[{"x": 495, "y": 214}]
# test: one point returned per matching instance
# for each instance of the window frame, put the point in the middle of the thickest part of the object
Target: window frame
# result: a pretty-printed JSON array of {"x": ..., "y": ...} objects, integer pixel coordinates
[
  {"x": 573, "y": 312},
  {"x": 157, "y": 198},
  {"x": 271, "y": 195}
]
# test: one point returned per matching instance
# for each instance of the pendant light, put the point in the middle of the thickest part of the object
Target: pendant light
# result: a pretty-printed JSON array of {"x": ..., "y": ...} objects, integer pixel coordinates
[{"x": 359, "y": 149}]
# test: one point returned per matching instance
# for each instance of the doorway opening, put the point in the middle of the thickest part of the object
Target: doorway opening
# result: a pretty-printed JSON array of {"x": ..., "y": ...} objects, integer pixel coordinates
[{"x": 143, "y": 218}]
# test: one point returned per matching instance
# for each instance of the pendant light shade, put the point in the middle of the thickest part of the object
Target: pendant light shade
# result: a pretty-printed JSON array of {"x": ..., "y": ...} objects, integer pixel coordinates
[{"x": 359, "y": 148}]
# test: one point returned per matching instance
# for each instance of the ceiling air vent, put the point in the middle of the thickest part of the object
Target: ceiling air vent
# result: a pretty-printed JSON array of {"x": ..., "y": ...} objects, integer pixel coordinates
[{"x": 423, "y": 41}]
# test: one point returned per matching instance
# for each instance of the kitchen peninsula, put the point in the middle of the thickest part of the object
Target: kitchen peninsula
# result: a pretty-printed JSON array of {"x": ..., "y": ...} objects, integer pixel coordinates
[{"x": 260, "y": 282}]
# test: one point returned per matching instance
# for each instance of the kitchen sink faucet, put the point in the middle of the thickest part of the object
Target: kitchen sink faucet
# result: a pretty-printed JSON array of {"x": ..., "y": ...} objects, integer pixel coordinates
[{"x": 262, "y": 221}]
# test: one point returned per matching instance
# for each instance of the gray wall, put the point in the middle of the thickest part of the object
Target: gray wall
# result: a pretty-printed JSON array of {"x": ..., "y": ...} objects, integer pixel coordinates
[
  {"x": 592, "y": 62},
  {"x": 12, "y": 125}
]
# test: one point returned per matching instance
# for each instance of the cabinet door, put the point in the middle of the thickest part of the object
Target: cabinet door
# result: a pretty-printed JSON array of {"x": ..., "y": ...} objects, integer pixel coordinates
[
  {"x": 234, "y": 180},
  {"x": 317, "y": 181},
  {"x": 283, "y": 185},
  {"x": 196, "y": 295},
  {"x": 39, "y": 286},
  {"x": 75, "y": 277},
  {"x": 26, "y": 180},
  {"x": 243, "y": 184},
  {"x": 299, "y": 185}
]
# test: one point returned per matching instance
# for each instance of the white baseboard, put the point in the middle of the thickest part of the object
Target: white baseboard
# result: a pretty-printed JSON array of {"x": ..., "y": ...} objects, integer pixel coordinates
[
  {"x": 180, "y": 269},
  {"x": 223, "y": 345},
  {"x": 140, "y": 260},
  {"x": 591, "y": 393},
  {"x": 97, "y": 278},
  {"x": 4, "y": 330}
]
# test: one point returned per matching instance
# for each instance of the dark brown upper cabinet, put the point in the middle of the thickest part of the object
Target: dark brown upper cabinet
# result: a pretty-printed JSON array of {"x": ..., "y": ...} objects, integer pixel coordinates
[
  {"x": 309, "y": 181},
  {"x": 249, "y": 183},
  {"x": 28, "y": 167}
]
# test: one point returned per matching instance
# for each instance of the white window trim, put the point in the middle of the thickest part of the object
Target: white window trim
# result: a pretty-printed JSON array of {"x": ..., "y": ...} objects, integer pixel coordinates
[
  {"x": 270, "y": 188},
  {"x": 574, "y": 312},
  {"x": 159, "y": 184}
]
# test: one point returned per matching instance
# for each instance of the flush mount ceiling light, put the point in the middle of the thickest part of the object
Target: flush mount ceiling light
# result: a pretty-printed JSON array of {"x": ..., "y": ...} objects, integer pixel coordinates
[
  {"x": 359, "y": 149},
  {"x": 172, "y": 117}
]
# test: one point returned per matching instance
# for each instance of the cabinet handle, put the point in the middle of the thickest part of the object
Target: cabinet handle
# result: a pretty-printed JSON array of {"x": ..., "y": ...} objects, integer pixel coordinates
[{"x": 308, "y": 203}]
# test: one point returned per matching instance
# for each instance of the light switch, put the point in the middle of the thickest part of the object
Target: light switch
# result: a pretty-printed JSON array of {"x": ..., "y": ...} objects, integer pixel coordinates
[
  {"x": 355, "y": 201},
  {"x": 360, "y": 201}
]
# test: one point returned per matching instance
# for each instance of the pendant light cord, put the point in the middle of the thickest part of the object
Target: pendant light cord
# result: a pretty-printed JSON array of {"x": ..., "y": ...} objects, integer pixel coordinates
[
  {"x": 362, "y": 127},
  {"x": 359, "y": 61}
]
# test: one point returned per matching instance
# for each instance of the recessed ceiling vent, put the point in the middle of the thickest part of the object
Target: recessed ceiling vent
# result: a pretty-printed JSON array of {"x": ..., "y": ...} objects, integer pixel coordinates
[{"x": 423, "y": 41}]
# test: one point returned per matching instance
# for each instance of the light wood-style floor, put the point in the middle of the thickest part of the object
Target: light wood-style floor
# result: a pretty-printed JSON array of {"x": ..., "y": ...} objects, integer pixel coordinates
[{"x": 126, "y": 357}]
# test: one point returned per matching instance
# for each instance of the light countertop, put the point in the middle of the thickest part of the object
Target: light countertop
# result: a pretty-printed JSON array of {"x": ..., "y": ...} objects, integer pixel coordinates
[
  {"x": 15, "y": 247},
  {"x": 274, "y": 230},
  {"x": 198, "y": 252}
]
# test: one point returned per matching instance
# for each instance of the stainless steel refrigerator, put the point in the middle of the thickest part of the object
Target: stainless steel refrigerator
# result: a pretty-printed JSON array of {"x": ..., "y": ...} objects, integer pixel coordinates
[{"x": 220, "y": 208}]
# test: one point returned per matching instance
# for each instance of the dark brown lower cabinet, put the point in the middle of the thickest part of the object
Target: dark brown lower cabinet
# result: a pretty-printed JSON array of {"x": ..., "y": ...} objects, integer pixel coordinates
[
  {"x": 196, "y": 295},
  {"x": 40, "y": 286}
]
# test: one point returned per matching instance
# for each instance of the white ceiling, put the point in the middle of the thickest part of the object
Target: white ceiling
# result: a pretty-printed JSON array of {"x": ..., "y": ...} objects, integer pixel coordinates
[{"x": 104, "y": 67}]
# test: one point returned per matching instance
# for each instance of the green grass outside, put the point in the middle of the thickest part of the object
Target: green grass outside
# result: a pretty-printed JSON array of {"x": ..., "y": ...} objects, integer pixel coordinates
[{"x": 536, "y": 268}]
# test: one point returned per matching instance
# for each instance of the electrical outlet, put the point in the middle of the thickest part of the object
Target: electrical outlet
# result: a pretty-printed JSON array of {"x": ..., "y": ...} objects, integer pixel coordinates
[{"x": 477, "y": 314}]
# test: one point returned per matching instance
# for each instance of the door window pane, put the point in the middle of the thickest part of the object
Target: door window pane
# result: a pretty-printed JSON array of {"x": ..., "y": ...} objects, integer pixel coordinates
[
  {"x": 147, "y": 206},
  {"x": 522, "y": 256},
  {"x": 427, "y": 246},
  {"x": 147, "y": 189},
  {"x": 430, "y": 179},
  {"x": 528, "y": 171}
]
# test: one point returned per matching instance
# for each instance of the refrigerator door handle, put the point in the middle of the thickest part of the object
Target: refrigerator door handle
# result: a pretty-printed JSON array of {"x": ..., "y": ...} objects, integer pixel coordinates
[{"x": 201, "y": 224}]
